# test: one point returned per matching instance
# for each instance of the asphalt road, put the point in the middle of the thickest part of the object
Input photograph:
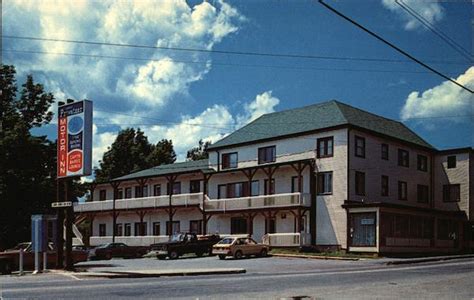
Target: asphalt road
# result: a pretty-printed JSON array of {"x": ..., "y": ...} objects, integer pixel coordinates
[{"x": 440, "y": 280}]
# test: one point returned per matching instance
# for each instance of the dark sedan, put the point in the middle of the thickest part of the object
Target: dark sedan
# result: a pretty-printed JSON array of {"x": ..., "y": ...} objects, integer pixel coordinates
[{"x": 110, "y": 250}]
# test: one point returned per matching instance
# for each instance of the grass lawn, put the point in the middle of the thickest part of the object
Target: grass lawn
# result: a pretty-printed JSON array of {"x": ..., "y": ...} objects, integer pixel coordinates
[{"x": 331, "y": 253}]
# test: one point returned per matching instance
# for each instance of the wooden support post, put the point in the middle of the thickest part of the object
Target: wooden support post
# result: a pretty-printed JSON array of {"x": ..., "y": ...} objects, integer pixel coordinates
[
  {"x": 92, "y": 187},
  {"x": 249, "y": 174},
  {"x": 269, "y": 171},
  {"x": 115, "y": 185},
  {"x": 141, "y": 183},
  {"x": 205, "y": 191},
  {"x": 171, "y": 180}
]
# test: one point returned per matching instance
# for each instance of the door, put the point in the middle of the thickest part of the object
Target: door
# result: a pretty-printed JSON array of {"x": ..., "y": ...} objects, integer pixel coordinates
[{"x": 363, "y": 229}]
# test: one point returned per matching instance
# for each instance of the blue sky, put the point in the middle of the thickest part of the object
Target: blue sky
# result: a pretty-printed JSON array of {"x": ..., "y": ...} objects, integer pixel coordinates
[{"x": 186, "y": 96}]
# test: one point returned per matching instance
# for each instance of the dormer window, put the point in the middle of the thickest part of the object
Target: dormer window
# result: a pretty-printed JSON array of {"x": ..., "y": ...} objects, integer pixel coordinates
[
  {"x": 266, "y": 155},
  {"x": 229, "y": 160}
]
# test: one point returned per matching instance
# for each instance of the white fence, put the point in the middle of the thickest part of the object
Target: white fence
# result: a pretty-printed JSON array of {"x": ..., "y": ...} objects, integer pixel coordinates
[
  {"x": 286, "y": 239},
  {"x": 277, "y": 200},
  {"x": 146, "y": 202},
  {"x": 129, "y": 240}
]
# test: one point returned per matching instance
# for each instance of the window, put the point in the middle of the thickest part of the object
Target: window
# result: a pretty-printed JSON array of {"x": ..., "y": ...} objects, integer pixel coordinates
[
  {"x": 120, "y": 194},
  {"x": 403, "y": 158},
  {"x": 360, "y": 183},
  {"x": 325, "y": 147},
  {"x": 384, "y": 150},
  {"x": 221, "y": 191},
  {"x": 102, "y": 195},
  {"x": 268, "y": 191},
  {"x": 451, "y": 193},
  {"x": 423, "y": 194},
  {"x": 127, "y": 229},
  {"x": 157, "y": 190},
  {"x": 270, "y": 225},
  {"x": 145, "y": 191},
  {"x": 195, "y": 226},
  {"x": 138, "y": 191},
  {"x": 140, "y": 229},
  {"x": 102, "y": 230},
  {"x": 128, "y": 193},
  {"x": 156, "y": 228},
  {"x": 237, "y": 189},
  {"x": 176, "y": 188},
  {"x": 402, "y": 190},
  {"x": 294, "y": 184},
  {"x": 384, "y": 186},
  {"x": 175, "y": 228},
  {"x": 255, "y": 188},
  {"x": 422, "y": 163},
  {"x": 238, "y": 225},
  {"x": 229, "y": 160},
  {"x": 325, "y": 183},
  {"x": 266, "y": 155},
  {"x": 195, "y": 186},
  {"x": 452, "y": 162},
  {"x": 118, "y": 230},
  {"x": 359, "y": 146}
]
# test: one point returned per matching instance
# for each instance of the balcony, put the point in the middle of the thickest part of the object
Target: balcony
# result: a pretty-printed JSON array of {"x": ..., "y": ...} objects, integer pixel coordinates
[
  {"x": 258, "y": 202},
  {"x": 287, "y": 239},
  {"x": 137, "y": 203}
]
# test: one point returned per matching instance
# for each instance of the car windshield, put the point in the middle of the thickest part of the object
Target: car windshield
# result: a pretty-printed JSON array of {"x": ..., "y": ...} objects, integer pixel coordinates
[
  {"x": 226, "y": 241},
  {"x": 177, "y": 237},
  {"x": 104, "y": 246}
]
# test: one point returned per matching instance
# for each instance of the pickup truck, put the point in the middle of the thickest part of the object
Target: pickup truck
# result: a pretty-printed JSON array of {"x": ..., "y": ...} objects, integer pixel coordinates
[
  {"x": 110, "y": 250},
  {"x": 9, "y": 259},
  {"x": 184, "y": 243}
]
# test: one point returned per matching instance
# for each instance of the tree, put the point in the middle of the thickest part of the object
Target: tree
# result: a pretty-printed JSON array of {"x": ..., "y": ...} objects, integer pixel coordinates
[
  {"x": 27, "y": 162},
  {"x": 163, "y": 153},
  {"x": 199, "y": 152},
  {"x": 131, "y": 152}
]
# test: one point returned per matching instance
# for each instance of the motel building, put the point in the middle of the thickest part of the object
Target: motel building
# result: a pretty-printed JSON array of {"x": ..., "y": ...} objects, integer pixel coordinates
[{"x": 327, "y": 175}]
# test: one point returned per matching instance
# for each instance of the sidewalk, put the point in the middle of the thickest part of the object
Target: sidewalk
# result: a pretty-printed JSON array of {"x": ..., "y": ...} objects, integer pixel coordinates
[
  {"x": 154, "y": 273},
  {"x": 402, "y": 261}
]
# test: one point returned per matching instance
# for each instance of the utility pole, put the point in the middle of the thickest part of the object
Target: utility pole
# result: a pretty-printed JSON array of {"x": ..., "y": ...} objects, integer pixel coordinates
[{"x": 69, "y": 222}]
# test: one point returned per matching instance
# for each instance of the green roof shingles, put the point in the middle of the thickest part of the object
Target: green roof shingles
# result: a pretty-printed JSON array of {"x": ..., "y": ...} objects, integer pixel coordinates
[
  {"x": 316, "y": 117},
  {"x": 181, "y": 167}
]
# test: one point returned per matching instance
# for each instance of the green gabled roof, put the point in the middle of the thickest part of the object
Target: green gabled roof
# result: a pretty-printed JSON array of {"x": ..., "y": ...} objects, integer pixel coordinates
[
  {"x": 181, "y": 167},
  {"x": 317, "y": 117}
]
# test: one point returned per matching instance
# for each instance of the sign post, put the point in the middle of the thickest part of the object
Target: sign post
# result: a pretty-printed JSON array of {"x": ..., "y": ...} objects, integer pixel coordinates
[{"x": 74, "y": 155}]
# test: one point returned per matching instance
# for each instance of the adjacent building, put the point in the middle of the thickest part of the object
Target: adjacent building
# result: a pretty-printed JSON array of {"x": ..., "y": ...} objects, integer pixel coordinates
[{"x": 327, "y": 175}]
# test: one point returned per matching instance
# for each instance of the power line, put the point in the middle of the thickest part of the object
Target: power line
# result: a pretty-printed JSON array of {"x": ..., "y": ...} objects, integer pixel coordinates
[
  {"x": 227, "y": 52},
  {"x": 214, "y": 63},
  {"x": 433, "y": 29},
  {"x": 394, "y": 47}
]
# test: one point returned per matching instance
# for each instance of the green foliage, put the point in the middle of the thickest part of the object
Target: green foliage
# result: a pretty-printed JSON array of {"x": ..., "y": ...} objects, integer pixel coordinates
[
  {"x": 27, "y": 162},
  {"x": 131, "y": 152},
  {"x": 199, "y": 152}
]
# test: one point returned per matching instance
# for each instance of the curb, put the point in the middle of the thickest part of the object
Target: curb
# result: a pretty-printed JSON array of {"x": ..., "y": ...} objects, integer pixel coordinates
[
  {"x": 316, "y": 257},
  {"x": 145, "y": 274},
  {"x": 427, "y": 259}
]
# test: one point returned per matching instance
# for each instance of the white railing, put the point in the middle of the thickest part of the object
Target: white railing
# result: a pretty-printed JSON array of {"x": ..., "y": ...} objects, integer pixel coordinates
[
  {"x": 286, "y": 239},
  {"x": 129, "y": 240},
  {"x": 256, "y": 202},
  {"x": 146, "y": 202}
]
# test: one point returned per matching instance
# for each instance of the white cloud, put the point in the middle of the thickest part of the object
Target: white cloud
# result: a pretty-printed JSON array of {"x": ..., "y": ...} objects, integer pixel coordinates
[
  {"x": 431, "y": 11},
  {"x": 212, "y": 124},
  {"x": 263, "y": 104},
  {"x": 446, "y": 99},
  {"x": 101, "y": 143}
]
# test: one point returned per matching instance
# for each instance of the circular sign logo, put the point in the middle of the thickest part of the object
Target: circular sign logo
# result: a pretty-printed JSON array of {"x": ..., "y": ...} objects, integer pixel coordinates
[{"x": 75, "y": 125}]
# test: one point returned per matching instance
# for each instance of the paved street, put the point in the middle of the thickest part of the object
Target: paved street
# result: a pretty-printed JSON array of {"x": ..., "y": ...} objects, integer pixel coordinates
[{"x": 266, "y": 278}]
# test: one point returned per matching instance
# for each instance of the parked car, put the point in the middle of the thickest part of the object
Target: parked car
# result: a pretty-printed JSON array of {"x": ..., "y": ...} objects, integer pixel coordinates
[
  {"x": 239, "y": 247},
  {"x": 107, "y": 251},
  {"x": 9, "y": 259},
  {"x": 184, "y": 243}
]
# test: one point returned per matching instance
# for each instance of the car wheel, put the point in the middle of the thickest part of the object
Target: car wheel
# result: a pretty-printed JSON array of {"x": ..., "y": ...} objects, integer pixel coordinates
[
  {"x": 173, "y": 255},
  {"x": 221, "y": 256},
  {"x": 161, "y": 257},
  {"x": 199, "y": 253},
  {"x": 238, "y": 254},
  {"x": 263, "y": 253}
]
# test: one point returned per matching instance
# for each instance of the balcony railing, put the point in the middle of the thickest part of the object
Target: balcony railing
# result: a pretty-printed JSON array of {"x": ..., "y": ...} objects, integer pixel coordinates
[
  {"x": 257, "y": 202},
  {"x": 146, "y": 202},
  {"x": 287, "y": 239}
]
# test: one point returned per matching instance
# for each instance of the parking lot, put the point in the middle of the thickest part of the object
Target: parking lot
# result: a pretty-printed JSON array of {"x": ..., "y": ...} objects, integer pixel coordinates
[{"x": 266, "y": 265}]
